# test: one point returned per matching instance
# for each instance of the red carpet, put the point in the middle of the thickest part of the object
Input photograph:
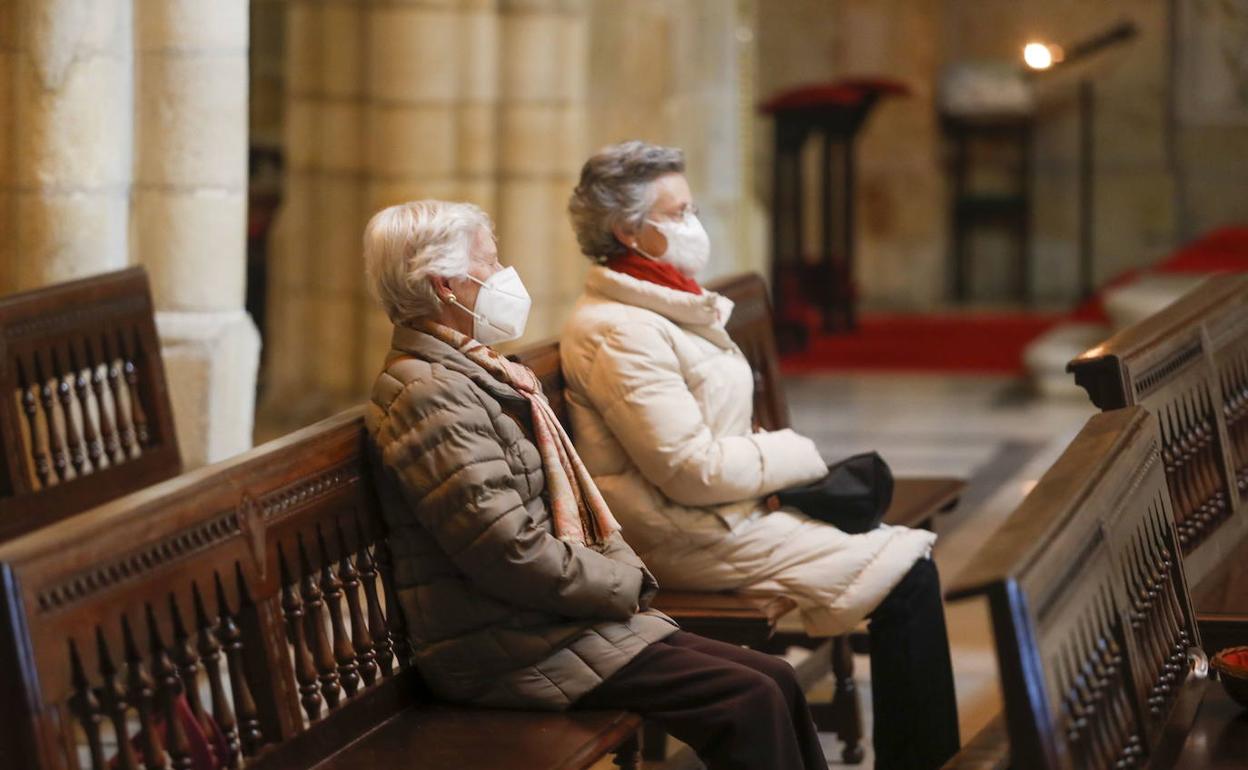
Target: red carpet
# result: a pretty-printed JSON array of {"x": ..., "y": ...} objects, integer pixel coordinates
[
  {"x": 990, "y": 343},
  {"x": 969, "y": 343}
]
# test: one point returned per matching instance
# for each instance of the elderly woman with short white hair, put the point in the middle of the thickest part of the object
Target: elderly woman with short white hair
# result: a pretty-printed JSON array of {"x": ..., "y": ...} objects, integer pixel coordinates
[
  {"x": 516, "y": 586},
  {"x": 661, "y": 402}
]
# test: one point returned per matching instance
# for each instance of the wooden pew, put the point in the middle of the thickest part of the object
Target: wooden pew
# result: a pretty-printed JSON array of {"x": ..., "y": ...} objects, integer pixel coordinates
[
  {"x": 260, "y": 590},
  {"x": 1097, "y": 646},
  {"x": 750, "y": 618},
  {"x": 85, "y": 415},
  {"x": 1188, "y": 364}
]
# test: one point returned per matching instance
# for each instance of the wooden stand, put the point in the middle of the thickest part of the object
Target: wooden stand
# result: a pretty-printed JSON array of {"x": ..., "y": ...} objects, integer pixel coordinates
[{"x": 812, "y": 284}]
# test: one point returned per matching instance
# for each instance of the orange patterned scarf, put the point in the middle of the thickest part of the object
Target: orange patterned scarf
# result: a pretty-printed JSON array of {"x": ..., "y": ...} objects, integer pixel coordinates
[{"x": 579, "y": 513}]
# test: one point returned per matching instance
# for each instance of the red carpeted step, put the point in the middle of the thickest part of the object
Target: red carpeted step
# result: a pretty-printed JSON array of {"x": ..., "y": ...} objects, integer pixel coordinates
[{"x": 971, "y": 343}]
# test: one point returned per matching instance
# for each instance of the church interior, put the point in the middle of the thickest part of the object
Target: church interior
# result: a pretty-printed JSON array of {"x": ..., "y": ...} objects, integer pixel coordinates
[{"x": 1002, "y": 243}]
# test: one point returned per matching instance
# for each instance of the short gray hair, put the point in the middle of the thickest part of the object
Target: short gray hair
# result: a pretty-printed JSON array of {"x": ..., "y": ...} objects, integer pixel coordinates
[
  {"x": 406, "y": 244},
  {"x": 615, "y": 188}
]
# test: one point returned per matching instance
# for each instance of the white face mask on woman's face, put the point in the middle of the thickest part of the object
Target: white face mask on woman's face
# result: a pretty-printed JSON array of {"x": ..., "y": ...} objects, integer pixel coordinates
[
  {"x": 688, "y": 245},
  {"x": 502, "y": 308}
]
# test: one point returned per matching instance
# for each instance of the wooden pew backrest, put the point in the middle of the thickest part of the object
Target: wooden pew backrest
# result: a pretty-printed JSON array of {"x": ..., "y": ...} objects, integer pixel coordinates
[
  {"x": 1179, "y": 364},
  {"x": 85, "y": 414},
  {"x": 750, "y": 326},
  {"x": 259, "y": 588},
  {"x": 1097, "y": 647}
]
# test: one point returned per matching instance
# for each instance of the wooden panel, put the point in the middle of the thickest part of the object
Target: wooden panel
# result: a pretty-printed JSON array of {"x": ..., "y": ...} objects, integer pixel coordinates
[
  {"x": 260, "y": 590},
  {"x": 752, "y": 327},
  {"x": 1189, "y": 365},
  {"x": 1096, "y": 640},
  {"x": 84, "y": 414}
]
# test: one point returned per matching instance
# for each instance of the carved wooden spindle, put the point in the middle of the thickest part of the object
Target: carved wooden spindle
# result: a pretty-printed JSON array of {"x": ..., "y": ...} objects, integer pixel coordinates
[
  {"x": 1192, "y": 461},
  {"x": 76, "y": 446},
  {"x": 1145, "y": 669},
  {"x": 1179, "y": 488},
  {"x": 314, "y": 627},
  {"x": 361, "y": 639},
  {"x": 344, "y": 651},
  {"x": 1213, "y": 453},
  {"x": 86, "y": 708},
  {"x": 113, "y": 697},
  {"x": 90, "y": 419},
  {"x": 27, "y": 387},
  {"x": 105, "y": 401},
  {"x": 1171, "y": 614},
  {"x": 1202, "y": 461},
  {"x": 232, "y": 641},
  {"x": 188, "y": 664},
  {"x": 132, "y": 352},
  {"x": 377, "y": 627},
  {"x": 168, "y": 693},
  {"x": 394, "y": 616},
  {"x": 210, "y": 654},
  {"x": 56, "y": 445},
  {"x": 292, "y": 611},
  {"x": 1083, "y": 696},
  {"x": 121, "y": 399},
  {"x": 140, "y": 692}
]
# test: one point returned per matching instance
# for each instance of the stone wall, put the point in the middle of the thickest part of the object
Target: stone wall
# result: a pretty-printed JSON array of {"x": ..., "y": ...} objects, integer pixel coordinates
[
  {"x": 477, "y": 100},
  {"x": 123, "y": 140}
]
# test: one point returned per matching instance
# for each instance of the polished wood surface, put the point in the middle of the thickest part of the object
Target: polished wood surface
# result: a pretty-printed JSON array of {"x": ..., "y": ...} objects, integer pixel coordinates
[
  {"x": 737, "y": 618},
  {"x": 260, "y": 590},
  {"x": 1096, "y": 640},
  {"x": 486, "y": 740},
  {"x": 85, "y": 415},
  {"x": 1219, "y": 737},
  {"x": 1188, "y": 364}
]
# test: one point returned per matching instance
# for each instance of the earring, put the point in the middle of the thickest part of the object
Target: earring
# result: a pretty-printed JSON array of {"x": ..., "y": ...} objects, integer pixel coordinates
[{"x": 449, "y": 298}]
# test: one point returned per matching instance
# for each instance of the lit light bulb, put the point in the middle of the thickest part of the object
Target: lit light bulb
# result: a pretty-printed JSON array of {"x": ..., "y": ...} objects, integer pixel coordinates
[{"x": 1037, "y": 56}]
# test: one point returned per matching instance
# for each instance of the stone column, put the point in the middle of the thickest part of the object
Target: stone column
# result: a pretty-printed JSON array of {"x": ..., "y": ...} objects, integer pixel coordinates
[
  {"x": 189, "y": 217},
  {"x": 542, "y": 146},
  {"x": 65, "y": 128},
  {"x": 432, "y": 127}
]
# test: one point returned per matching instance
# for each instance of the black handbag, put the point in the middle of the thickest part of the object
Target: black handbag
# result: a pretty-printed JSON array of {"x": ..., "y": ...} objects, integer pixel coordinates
[{"x": 853, "y": 497}]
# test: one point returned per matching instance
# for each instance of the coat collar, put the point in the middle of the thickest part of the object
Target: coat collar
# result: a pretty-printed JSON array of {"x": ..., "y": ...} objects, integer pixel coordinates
[
  {"x": 704, "y": 314},
  {"x": 705, "y": 309},
  {"x": 426, "y": 347}
]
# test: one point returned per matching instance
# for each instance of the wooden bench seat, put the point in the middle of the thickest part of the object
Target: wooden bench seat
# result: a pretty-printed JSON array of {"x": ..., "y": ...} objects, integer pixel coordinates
[
  {"x": 1098, "y": 650},
  {"x": 466, "y": 739},
  {"x": 1188, "y": 364},
  {"x": 260, "y": 590},
  {"x": 85, "y": 415}
]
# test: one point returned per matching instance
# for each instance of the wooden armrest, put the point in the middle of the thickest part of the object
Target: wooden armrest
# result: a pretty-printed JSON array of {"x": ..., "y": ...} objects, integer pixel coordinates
[
  {"x": 988, "y": 750},
  {"x": 917, "y": 500},
  {"x": 467, "y": 738},
  {"x": 737, "y": 617}
]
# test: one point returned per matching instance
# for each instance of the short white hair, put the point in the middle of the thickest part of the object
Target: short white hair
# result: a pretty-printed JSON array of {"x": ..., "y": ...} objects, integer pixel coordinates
[
  {"x": 617, "y": 188},
  {"x": 406, "y": 244}
]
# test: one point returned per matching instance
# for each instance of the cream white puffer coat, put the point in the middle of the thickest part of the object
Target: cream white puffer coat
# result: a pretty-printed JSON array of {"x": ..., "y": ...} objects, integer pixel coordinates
[{"x": 661, "y": 406}]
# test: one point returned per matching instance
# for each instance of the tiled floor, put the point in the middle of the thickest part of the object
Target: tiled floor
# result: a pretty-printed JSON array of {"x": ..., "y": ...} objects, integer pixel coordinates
[{"x": 986, "y": 429}]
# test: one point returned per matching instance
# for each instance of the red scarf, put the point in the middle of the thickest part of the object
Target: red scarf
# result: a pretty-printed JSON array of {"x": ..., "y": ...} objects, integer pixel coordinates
[{"x": 654, "y": 271}]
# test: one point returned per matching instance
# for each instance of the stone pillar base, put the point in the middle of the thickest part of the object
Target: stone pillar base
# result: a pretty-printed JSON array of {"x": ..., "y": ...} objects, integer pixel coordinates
[{"x": 211, "y": 361}]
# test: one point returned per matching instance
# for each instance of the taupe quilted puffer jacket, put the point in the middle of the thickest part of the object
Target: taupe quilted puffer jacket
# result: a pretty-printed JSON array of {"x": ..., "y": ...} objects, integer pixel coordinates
[{"x": 500, "y": 612}]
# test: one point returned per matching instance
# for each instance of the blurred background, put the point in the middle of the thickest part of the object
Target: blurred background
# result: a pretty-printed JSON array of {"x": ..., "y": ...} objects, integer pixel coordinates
[{"x": 922, "y": 195}]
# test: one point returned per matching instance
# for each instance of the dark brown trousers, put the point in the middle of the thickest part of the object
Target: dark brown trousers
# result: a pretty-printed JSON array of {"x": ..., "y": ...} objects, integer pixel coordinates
[{"x": 737, "y": 708}]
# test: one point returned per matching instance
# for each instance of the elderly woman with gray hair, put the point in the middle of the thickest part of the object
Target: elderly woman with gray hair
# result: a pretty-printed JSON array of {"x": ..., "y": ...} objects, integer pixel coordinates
[
  {"x": 662, "y": 404},
  {"x": 516, "y": 586}
]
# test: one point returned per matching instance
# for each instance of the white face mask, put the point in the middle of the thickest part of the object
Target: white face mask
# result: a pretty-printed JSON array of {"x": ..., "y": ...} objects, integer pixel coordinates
[
  {"x": 688, "y": 245},
  {"x": 502, "y": 308}
]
